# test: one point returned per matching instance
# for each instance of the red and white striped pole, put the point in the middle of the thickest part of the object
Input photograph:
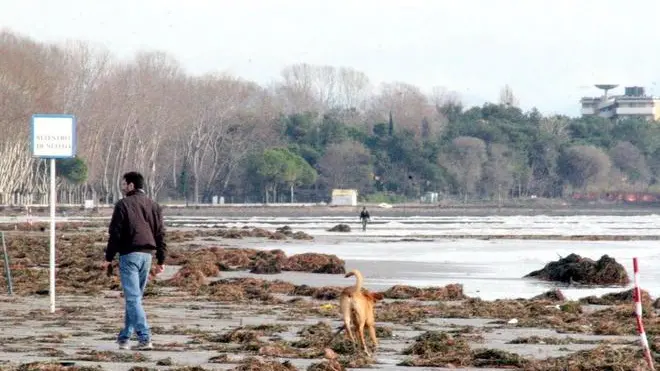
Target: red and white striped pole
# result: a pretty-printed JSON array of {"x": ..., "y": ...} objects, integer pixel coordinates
[{"x": 637, "y": 294}]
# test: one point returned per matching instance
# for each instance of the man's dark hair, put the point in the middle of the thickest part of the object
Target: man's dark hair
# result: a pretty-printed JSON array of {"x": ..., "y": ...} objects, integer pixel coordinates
[{"x": 136, "y": 178}]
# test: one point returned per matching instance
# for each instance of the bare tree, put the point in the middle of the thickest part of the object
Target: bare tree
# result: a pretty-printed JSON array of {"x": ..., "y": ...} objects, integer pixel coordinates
[
  {"x": 409, "y": 108},
  {"x": 498, "y": 171},
  {"x": 353, "y": 90},
  {"x": 346, "y": 165},
  {"x": 507, "y": 98},
  {"x": 299, "y": 89},
  {"x": 585, "y": 166},
  {"x": 464, "y": 160},
  {"x": 632, "y": 163},
  {"x": 556, "y": 126}
]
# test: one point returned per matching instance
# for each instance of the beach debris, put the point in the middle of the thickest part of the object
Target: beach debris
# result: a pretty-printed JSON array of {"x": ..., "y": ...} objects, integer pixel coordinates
[
  {"x": 260, "y": 232},
  {"x": 327, "y": 293},
  {"x": 603, "y": 357},
  {"x": 315, "y": 263},
  {"x": 452, "y": 291},
  {"x": 165, "y": 362},
  {"x": 340, "y": 228},
  {"x": 188, "y": 278},
  {"x": 234, "y": 258},
  {"x": 572, "y": 307},
  {"x": 441, "y": 349},
  {"x": 621, "y": 297},
  {"x": 329, "y": 353},
  {"x": 438, "y": 349},
  {"x": 497, "y": 358},
  {"x": 384, "y": 332},
  {"x": 264, "y": 266},
  {"x": 247, "y": 288},
  {"x": 329, "y": 365},
  {"x": 327, "y": 307},
  {"x": 268, "y": 262},
  {"x": 300, "y": 235},
  {"x": 110, "y": 356},
  {"x": 43, "y": 366},
  {"x": 257, "y": 261},
  {"x": 405, "y": 312},
  {"x": 277, "y": 236},
  {"x": 256, "y": 364},
  {"x": 278, "y": 350},
  {"x": 575, "y": 269},
  {"x": 513, "y": 321},
  {"x": 285, "y": 230},
  {"x": 553, "y": 295},
  {"x": 316, "y": 335}
]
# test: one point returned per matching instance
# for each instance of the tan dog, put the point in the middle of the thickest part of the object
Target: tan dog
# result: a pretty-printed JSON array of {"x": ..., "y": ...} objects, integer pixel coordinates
[{"x": 357, "y": 307}]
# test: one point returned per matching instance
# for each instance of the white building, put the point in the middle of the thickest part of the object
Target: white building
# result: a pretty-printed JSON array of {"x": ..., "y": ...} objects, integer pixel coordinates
[
  {"x": 344, "y": 197},
  {"x": 634, "y": 103}
]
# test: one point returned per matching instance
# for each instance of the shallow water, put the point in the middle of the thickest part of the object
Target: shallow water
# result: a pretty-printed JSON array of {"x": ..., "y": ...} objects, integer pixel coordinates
[
  {"x": 637, "y": 225},
  {"x": 488, "y": 269},
  {"x": 420, "y": 251}
]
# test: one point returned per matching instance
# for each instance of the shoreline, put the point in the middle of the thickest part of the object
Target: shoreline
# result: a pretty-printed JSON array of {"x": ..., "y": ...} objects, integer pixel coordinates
[
  {"x": 222, "y": 321},
  {"x": 394, "y": 210}
]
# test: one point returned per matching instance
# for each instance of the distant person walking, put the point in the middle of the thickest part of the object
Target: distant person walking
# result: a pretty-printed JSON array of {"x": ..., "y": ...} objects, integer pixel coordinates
[
  {"x": 136, "y": 230},
  {"x": 364, "y": 218}
]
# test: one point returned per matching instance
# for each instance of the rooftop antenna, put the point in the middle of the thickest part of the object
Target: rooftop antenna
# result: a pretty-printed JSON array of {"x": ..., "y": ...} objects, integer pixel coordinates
[{"x": 606, "y": 88}]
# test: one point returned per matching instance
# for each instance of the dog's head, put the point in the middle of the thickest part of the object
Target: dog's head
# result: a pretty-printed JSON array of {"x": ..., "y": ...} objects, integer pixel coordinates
[{"x": 350, "y": 274}]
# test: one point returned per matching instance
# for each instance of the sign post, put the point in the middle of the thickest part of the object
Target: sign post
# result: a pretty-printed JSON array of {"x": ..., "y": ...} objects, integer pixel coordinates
[{"x": 53, "y": 137}]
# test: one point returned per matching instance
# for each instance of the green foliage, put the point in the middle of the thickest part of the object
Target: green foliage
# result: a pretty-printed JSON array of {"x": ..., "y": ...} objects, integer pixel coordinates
[
  {"x": 73, "y": 170},
  {"x": 279, "y": 166},
  {"x": 492, "y": 151}
]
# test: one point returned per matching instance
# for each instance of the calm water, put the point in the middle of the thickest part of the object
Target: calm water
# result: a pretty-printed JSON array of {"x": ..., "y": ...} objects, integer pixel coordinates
[
  {"x": 420, "y": 251},
  {"x": 489, "y": 269}
]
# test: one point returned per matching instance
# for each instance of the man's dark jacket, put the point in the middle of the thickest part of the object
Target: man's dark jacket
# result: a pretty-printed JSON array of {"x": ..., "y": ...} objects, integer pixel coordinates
[{"x": 136, "y": 226}]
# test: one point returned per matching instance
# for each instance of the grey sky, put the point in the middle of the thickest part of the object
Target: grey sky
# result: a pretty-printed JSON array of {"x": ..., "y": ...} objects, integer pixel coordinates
[{"x": 549, "y": 52}]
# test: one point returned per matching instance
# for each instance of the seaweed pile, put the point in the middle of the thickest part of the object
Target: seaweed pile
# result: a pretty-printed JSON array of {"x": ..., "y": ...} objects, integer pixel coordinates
[{"x": 575, "y": 269}]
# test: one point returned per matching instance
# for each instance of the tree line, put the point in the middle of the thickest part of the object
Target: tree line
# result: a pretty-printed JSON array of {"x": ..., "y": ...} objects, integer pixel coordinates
[{"x": 315, "y": 129}]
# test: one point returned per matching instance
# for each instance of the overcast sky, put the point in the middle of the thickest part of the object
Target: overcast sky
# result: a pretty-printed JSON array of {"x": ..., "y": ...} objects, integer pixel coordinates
[{"x": 549, "y": 52}]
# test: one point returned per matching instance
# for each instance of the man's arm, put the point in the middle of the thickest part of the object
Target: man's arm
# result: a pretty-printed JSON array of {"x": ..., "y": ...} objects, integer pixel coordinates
[
  {"x": 114, "y": 231},
  {"x": 159, "y": 237}
]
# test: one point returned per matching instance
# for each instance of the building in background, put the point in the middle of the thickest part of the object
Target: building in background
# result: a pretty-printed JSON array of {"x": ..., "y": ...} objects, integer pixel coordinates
[
  {"x": 634, "y": 103},
  {"x": 344, "y": 197}
]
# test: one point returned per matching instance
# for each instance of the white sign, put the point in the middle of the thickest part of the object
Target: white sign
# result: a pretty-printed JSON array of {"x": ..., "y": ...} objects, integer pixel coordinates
[{"x": 53, "y": 136}]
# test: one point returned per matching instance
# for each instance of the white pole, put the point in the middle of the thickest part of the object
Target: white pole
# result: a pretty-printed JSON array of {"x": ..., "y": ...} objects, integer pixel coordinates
[{"x": 53, "y": 200}]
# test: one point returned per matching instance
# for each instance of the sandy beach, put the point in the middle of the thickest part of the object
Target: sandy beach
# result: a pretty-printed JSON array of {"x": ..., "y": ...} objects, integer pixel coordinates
[{"x": 240, "y": 320}]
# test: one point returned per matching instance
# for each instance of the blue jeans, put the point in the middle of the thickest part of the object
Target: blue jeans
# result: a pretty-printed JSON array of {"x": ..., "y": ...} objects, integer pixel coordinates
[{"x": 134, "y": 272}]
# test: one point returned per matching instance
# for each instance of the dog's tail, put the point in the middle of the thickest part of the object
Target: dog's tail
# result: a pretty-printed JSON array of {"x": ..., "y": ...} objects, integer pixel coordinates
[{"x": 358, "y": 279}]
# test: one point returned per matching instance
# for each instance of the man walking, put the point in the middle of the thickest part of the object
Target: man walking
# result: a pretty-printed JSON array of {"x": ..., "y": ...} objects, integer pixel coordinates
[
  {"x": 364, "y": 218},
  {"x": 136, "y": 230}
]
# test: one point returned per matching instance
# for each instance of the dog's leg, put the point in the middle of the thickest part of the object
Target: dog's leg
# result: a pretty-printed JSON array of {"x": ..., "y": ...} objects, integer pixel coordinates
[
  {"x": 361, "y": 336},
  {"x": 345, "y": 307},
  {"x": 372, "y": 334},
  {"x": 347, "y": 325}
]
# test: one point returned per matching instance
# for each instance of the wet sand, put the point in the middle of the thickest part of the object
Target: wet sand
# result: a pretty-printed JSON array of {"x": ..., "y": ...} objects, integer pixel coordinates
[{"x": 84, "y": 328}]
